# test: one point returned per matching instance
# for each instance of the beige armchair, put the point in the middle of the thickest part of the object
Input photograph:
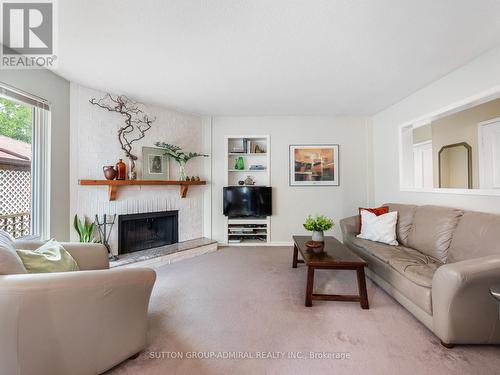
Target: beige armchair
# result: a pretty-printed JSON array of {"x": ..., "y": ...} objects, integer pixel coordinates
[{"x": 73, "y": 322}]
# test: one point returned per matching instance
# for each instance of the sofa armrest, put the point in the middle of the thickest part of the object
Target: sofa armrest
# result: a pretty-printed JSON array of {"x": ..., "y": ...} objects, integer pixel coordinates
[
  {"x": 464, "y": 312},
  {"x": 72, "y": 322},
  {"x": 350, "y": 226},
  {"x": 89, "y": 256}
]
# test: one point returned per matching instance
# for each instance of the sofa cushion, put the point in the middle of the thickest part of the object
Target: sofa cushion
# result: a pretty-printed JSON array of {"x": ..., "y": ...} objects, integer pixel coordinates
[
  {"x": 380, "y": 228},
  {"x": 405, "y": 220},
  {"x": 432, "y": 230},
  {"x": 50, "y": 257},
  {"x": 10, "y": 263},
  {"x": 415, "y": 266},
  {"x": 477, "y": 235},
  {"x": 377, "y": 249},
  {"x": 376, "y": 210},
  {"x": 419, "y": 295}
]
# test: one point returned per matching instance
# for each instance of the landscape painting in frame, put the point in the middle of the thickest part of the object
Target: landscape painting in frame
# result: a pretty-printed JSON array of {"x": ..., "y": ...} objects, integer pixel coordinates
[{"x": 312, "y": 165}]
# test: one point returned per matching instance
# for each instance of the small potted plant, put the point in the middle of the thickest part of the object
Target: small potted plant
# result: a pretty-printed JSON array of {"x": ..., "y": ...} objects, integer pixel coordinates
[
  {"x": 318, "y": 225},
  {"x": 181, "y": 157},
  {"x": 84, "y": 228}
]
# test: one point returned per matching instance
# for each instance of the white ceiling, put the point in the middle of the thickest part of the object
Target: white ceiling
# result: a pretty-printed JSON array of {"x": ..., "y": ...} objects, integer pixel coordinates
[{"x": 271, "y": 57}]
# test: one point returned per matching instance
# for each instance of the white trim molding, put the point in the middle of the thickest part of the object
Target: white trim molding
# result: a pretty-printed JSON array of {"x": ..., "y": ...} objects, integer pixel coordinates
[
  {"x": 469, "y": 102},
  {"x": 41, "y": 173}
]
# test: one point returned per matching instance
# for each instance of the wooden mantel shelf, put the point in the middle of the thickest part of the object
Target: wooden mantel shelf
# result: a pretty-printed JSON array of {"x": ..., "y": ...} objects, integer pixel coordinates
[{"x": 113, "y": 185}]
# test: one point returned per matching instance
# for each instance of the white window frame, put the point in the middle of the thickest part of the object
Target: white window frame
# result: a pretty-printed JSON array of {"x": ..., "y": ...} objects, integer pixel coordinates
[{"x": 41, "y": 158}]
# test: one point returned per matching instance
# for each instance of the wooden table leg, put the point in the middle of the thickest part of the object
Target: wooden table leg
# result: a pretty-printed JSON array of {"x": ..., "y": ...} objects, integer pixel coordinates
[
  {"x": 363, "y": 295},
  {"x": 295, "y": 256},
  {"x": 310, "y": 286}
]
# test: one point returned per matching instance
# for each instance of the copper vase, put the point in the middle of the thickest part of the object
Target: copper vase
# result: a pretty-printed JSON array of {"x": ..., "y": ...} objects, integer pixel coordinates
[
  {"x": 121, "y": 170},
  {"x": 109, "y": 172}
]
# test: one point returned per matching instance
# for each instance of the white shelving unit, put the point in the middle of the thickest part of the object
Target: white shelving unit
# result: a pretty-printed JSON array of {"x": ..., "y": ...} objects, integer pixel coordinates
[{"x": 247, "y": 231}]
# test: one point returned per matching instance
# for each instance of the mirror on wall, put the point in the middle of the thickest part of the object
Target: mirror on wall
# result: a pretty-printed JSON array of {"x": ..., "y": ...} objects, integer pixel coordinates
[
  {"x": 455, "y": 166},
  {"x": 459, "y": 149}
]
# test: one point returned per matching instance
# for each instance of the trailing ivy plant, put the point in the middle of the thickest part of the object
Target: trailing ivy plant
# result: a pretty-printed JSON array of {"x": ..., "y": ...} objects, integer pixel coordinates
[
  {"x": 318, "y": 223},
  {"x": 84, "y": 228}
]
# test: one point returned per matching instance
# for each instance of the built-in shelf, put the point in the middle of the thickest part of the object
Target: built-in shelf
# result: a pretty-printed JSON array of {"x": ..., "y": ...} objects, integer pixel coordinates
[
  {"x": 113, "y": 185},
  {"x": 247, "y": 170},
  {"x": 247, "y": 154},
  {"x": 253, "y": 230},
  {"x": 247, "y": 185}
]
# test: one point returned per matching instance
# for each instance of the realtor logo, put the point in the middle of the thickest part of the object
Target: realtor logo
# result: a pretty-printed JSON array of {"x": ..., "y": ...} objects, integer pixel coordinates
[{"x": 27, "y": 34}]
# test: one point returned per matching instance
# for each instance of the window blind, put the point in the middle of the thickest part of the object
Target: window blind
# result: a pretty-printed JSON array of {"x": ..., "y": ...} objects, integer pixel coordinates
[{"x": 23, "y": 97}]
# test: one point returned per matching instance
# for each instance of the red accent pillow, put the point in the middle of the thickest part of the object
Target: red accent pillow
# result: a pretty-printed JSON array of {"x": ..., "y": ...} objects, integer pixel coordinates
[{"x": 377, "y": 211}]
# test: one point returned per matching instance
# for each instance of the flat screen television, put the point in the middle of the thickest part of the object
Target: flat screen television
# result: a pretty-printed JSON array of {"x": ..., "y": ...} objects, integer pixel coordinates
[{"x": 247, "y": 201}]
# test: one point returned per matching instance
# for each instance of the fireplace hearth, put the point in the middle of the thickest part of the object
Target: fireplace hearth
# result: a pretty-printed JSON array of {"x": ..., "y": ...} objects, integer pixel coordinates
[{"x": 147, "y": 230}]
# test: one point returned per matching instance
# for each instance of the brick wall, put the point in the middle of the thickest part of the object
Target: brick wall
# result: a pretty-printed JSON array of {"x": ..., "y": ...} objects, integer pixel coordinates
[{"x": 94, "y": 144}]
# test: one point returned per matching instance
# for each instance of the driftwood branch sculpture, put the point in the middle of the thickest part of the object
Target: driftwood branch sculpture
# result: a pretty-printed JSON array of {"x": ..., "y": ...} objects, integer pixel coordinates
[{"x": 137, "y": 123}]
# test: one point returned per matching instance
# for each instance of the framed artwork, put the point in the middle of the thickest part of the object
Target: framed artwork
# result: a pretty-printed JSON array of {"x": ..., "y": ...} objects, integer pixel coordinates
[
  {"x": 314, "y": 165},
  {"x": 154, "y": 164}
]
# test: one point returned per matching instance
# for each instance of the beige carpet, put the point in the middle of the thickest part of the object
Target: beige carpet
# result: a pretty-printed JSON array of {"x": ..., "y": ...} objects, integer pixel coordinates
[{"x": 250, "y": 300}]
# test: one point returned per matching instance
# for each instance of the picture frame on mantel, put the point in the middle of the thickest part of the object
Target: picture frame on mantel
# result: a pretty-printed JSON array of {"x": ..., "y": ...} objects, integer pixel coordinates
[
  {"x": 314, "y": 165},
  {"x": 155, "y": 164}
]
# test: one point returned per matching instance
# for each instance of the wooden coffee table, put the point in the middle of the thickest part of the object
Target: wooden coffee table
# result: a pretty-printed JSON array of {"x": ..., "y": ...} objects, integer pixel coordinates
[{"x": 334, "y": 256}]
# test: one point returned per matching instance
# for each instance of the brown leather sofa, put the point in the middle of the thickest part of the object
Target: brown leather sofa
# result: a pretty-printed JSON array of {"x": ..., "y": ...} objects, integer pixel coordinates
[
  {"x": 442, "y": 270},
  {"x": 81, "y": 322}
]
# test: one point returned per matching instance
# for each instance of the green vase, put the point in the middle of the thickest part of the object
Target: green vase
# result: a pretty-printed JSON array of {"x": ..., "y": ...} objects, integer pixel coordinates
[{"x": 240, "y": 163}]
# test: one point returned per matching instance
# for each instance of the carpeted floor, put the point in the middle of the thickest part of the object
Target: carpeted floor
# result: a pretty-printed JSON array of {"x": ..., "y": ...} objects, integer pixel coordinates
[{"x": 250, "y": 300}]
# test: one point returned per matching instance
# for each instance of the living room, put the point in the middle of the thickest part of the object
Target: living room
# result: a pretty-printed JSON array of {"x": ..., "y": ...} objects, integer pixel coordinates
[{"x": 250, "y": 187}]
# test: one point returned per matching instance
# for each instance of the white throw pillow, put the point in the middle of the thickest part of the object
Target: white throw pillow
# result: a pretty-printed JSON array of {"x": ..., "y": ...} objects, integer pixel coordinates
[
  {"x": 10, "y": 263},
  {"x": 379, "y": 228}
]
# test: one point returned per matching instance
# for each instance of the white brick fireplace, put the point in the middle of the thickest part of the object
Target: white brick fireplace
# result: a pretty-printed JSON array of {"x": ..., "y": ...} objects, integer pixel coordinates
[{"x": 94, "y": 144}]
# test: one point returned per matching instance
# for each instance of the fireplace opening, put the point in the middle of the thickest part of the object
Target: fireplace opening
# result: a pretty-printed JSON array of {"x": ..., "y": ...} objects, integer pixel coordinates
[{"x": 147, "y": 230}]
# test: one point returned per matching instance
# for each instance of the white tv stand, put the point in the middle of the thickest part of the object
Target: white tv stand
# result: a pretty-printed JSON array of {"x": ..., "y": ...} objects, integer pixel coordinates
[{"x": 248, "y": 231}]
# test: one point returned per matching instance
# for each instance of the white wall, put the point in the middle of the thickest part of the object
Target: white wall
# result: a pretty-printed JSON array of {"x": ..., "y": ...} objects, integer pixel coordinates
[
  {"x": 94, "y": 143},
  {"x": 55, "y": 90},
  {"x": 291, "y": 205},
  {"x": 478, "y": 76}
]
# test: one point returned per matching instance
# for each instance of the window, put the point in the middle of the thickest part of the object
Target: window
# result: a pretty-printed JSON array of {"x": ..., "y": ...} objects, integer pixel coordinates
[{"x": 24, "y": 164}]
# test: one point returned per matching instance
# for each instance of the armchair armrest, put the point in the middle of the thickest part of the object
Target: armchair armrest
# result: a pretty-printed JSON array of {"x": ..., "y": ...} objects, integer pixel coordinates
[
  {"x": 72, "y": 322},
  {"x": 464, "y": 312},
  {"x": 89, "y": 256},
  {"x": 28, "y": 244}
]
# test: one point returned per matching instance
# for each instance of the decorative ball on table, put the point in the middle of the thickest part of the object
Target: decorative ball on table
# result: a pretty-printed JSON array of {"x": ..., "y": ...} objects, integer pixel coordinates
[{"x": 318, "y": 225}]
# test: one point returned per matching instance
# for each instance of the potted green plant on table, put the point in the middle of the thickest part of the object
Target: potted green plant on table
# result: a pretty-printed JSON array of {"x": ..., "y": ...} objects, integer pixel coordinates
[{"x": 318, "y": 225}]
